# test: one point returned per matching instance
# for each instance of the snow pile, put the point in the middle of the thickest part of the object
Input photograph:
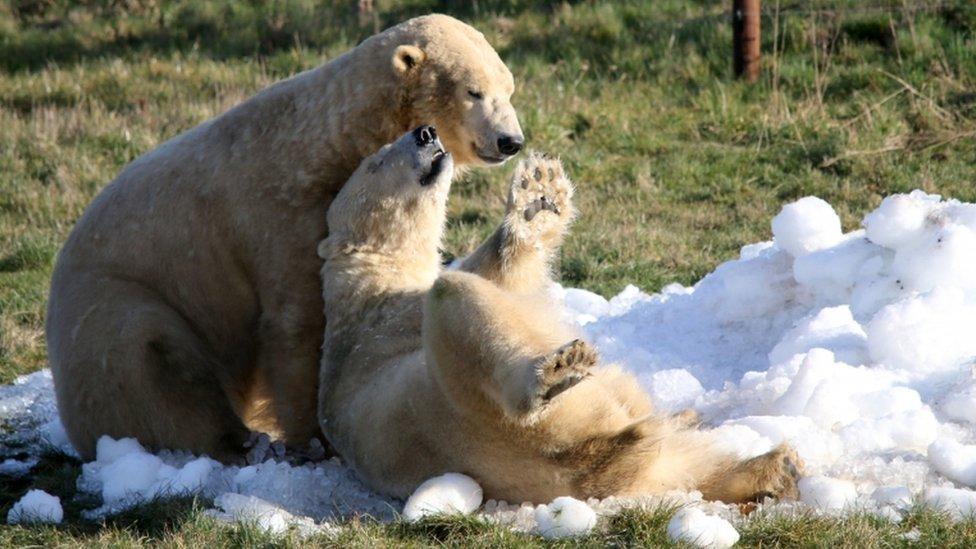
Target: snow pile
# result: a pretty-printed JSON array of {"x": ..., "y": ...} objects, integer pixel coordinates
[
  {"x": 692, "y": 525},
  {"x": 452, "y": 493},
  {"x": 37, "y": 506},
  {"x": 853, "y": 348},
  {"x": 565, "y": 517},
  {"x": 124, "y": 474}
]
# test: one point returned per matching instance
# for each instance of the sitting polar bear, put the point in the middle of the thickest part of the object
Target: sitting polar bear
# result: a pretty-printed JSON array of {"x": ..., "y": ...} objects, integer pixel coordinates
[
  {"x": 185, "y": 307},
  {"x": 426, "y": 372}
]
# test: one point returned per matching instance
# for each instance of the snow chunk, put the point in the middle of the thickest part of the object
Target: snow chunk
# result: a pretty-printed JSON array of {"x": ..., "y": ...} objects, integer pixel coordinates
[
  {"x": 446, "y": 494},
  {"x": 959, "y": 502},
  {"x": 899, "y": 218},
  {"x": 833, "y": 273},
  {"x": 924, "y": 334},
  {"x": 565, "y": 517},
  {"x": 805, "y": 226},
  {"x": 954, "y": 460},
  {"x": 108, "y": 450},
  {"x": 37, "y": 506},
  {"x": 896, "y": 496},
  {"x": 674, "y": 390},
  {"x": 692, "y": 525},
  {"x": 826, "y": 493},
  {"x": 267, "y": 517},
  {"x": 17, "y": 468},
  {"x": 960, "y": 404},
  {"x": 830, "y": 328}
]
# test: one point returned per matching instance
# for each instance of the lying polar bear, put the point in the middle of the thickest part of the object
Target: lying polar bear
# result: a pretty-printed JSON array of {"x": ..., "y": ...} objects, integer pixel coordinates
[{"x": 472, "y": 371}]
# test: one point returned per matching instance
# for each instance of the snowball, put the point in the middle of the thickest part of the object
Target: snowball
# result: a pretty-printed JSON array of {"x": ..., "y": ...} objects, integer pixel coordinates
[
  {"x": 831, "y": 328},
  {"x": 807, "y": 225},
  {"x": 924, "y": 334},
  {"x": 954, "y": 460},
  {"x": 899, "y": 218},
  {"x": 131, "y": 475},
  {"x": 826, "y": 493},
  {"x": 673, "y": 390},
  {"x": 564, "y": 517},
  {"x": 37, "y": 506},
  {"x": 447, "y": 494},
  {"x": 692, "y": 525}
]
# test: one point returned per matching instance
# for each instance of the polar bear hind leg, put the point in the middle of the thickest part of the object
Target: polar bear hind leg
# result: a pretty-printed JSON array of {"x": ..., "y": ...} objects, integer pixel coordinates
[{"x": 134, "y": 367}]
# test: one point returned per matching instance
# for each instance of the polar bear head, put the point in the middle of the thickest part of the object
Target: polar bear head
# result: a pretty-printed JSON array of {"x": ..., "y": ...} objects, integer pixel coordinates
[
  {"x": 396, "y": 198},
  {"x": 452, "y": 78}
]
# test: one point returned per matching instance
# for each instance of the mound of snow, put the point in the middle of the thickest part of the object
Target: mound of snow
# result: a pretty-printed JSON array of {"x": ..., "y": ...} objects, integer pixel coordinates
[
  {"x": 692, "y": 525},
  {"x": 37, "y": 506},
  {"x": 452, "y": 493},
  {"x": 853, "y": 348},
  {"x": 565, "y": 517}
]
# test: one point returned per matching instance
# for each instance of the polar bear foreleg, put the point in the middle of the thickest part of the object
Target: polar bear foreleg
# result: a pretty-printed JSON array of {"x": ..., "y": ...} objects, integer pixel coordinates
[{"x": 518, "y": 255}]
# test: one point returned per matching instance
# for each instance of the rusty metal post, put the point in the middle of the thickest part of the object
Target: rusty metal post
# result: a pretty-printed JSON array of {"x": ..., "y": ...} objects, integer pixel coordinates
[{"x": 745, "y": 39}]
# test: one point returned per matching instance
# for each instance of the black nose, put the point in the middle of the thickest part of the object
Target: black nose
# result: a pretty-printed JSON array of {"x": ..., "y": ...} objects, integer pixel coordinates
[
  {"x": 510, "y": 144},
  {"x": 425, "y": 135}
]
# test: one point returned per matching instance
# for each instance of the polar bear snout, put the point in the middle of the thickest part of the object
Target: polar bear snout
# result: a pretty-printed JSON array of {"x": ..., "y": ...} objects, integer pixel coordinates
[
  {"x": 434, "y": 160},
  {"x": 425, "y": 135},
  {"x": 510, "y": 145}
]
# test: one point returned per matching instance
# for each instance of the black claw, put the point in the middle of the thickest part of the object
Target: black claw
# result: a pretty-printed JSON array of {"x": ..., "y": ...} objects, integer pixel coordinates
[
  {"x": 565, "y": 384},
  {"x": 760, "y": 496}
]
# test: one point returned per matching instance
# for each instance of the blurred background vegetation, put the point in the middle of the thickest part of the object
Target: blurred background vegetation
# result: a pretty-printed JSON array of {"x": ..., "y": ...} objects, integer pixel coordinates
[{"x": 677, "y": 164}]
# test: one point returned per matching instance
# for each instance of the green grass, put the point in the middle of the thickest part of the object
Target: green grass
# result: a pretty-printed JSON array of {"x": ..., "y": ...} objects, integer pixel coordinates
[{"x": 677, "y": 164}]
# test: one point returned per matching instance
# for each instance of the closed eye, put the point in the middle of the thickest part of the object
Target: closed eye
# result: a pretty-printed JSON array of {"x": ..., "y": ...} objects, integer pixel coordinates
[{"x": 476, "y": 95}]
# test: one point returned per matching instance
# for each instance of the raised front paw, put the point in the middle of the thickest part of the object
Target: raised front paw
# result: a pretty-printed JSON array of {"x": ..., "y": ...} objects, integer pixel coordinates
[
  {"x": 562, "y": 369},
  {"x": 540, "y": 203}
]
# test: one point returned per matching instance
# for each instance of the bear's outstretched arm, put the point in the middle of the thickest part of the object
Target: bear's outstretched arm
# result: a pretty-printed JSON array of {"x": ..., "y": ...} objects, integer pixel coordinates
[{"x": 518, "y": 255}]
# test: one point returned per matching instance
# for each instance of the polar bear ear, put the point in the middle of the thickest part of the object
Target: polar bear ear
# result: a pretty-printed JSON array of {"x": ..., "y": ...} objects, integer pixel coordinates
[{"x": 406, "y": 58}]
